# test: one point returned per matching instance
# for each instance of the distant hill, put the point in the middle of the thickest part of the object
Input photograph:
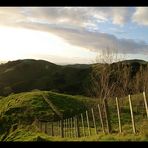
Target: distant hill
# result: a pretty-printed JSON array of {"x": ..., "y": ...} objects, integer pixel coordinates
[
  {"x": 135, "y": 61},
  {"x": 25, "y": 75}
]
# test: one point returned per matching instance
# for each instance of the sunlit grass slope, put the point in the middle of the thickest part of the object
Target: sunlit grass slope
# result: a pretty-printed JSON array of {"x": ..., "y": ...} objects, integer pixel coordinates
[{"x": 24, "y": 108}]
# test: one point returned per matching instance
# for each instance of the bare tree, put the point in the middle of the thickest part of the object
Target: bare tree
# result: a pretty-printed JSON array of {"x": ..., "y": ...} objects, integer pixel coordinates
[{"x": 102, "y": 83}]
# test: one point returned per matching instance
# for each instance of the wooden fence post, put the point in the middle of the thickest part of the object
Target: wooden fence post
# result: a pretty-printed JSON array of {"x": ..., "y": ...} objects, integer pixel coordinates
[
  {"x": 107, "y": 115},
  {"x": 83, "y": 124},
  {"x": 145, "y": 102},
  {"x": 52, "y": 129},
  {"x": 75, "y": 132},
  {"x": 37, "y": 123},
  {"x": 41, "y": 126},
  {"x": 65, "y": 127},
  {"x": 94, "y": 121},
  {"x": 118, "y": 112},
  {"x": 59, "y": 128},
  {"x": 101, "y": 120},
  {"x": 77, "y": 126},
  {"x": 89, "y": 131},
  {"x": 62, "y": 130},
  {"x": 71, "y": 127},
  {"x": 132, "y": 115},
  {"x": 45, "y": 127}
]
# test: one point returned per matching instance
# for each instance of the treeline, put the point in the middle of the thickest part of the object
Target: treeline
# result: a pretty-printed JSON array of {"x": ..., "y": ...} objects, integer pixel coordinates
[{"x": 118, "y": 79}]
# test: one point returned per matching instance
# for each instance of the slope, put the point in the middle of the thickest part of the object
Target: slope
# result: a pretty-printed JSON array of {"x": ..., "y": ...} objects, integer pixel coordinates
[{"x": 23, "y": 108}]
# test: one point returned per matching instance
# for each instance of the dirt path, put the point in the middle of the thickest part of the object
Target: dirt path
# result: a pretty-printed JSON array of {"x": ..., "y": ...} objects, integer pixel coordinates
[{"x": 52, "y": 106}]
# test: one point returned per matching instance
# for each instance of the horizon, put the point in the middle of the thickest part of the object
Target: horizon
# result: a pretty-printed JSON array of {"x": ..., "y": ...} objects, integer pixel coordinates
[
  {"x": 52, "y": 33},
  {"x": 64, "y": 64}
]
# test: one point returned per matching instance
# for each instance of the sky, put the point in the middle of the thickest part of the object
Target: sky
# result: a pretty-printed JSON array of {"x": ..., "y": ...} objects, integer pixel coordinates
[{"x": 72, "y": 35}]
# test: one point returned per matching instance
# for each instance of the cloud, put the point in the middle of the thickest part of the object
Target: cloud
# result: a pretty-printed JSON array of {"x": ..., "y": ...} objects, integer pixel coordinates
[
  {"x": 10, "y": 15},
  {"x": 72, "y": 23},
  {"x": 121, "y": 15},
  {"x": 118, "y": 15},
  {"x": 78, "y": 16},
  {"x": 141, "y": 16},
  {"x": 93, "y": 41},
  {"x": 83, "y": 15},
  {"x": 96, "y": 41}
]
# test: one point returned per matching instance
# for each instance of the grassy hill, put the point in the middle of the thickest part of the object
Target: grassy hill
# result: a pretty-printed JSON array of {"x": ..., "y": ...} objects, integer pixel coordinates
[
  {"x": 24, "y": 108},
  {"x": 19, "y": 111}
]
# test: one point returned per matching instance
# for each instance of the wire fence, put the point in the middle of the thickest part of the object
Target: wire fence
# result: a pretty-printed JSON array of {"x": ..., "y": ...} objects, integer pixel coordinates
[{"x": 109, "y": 116}]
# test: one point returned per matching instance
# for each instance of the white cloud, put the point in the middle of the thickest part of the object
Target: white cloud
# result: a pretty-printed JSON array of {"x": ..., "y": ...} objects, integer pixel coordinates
[
  {"x": 96, "y": 41},
  {"x": 81, "y": 15},
  {"x": 78, "y": 16},
  {"x": 93, "y": 41},
  {"x": 121, "y": 15},
  {"x": 118, "y": 15},
  {"x": 141, "y": 16},
  {"x": 69, "y": 23}
]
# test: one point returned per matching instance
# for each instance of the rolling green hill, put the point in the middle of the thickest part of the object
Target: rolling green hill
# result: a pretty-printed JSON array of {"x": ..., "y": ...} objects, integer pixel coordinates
[
  {"x": 19, "y": 111},
  {"x": 26, "y": 75},
  {"x": 24, "y": 108}
]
